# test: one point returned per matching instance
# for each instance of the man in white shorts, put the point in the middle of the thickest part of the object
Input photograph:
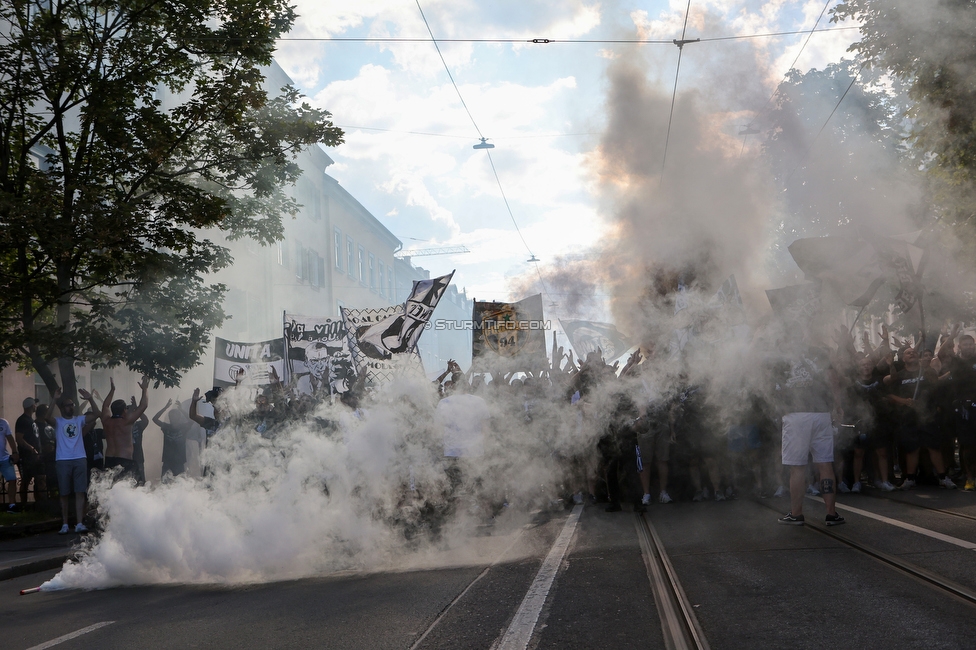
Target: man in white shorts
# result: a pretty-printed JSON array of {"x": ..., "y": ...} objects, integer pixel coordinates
[{"x": 805, "y": 391}]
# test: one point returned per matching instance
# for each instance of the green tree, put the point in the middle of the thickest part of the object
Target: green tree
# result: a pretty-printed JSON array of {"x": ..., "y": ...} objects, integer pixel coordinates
[
  {"x": 929, "y": 45},
  {"x": 128, "y": 131},
  {"x": 846, "y": 173}
]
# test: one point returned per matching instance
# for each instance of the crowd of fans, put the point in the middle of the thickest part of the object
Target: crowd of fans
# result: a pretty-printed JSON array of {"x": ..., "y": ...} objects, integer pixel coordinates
[
  {"x": 891, "y": 416},
  {"x": 815, "y": 418}
]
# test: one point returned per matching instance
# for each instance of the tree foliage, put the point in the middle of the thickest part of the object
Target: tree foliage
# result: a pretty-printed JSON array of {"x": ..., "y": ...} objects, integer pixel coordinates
[
  {"x": 840, "y": 165},
  {"x": 128, "y": 131},
  {"x": 930, "y": 46}
]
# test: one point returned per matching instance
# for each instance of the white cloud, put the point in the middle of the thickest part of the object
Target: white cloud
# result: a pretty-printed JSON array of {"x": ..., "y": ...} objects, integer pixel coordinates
[{"x": 438, "y": 188}]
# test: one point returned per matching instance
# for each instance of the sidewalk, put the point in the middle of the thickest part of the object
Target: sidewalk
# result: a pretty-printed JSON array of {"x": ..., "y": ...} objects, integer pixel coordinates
[{"x": 39, "y": 552}]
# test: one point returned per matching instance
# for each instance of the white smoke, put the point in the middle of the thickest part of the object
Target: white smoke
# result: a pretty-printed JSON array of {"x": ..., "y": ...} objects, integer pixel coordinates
[{"x": 317, "y": 499}]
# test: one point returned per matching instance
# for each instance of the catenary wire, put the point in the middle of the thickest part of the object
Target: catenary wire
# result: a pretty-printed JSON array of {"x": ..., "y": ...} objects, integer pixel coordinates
[
  {"x": 792, "y": 65},
  {"x": 466, "y": 137},
  {"x": 795, "y": 59},
  {"x": 487, "y": 151},
  {"x": 822, "y": 127},
  {"x": 454, "y": 83},
  {"x": 674, "y": 91},
  {"x": 545, "y": 41}
]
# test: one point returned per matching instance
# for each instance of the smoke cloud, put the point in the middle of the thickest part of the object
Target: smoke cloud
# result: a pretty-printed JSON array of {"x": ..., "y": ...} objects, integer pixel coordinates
[{"x": 334, "y": 491}]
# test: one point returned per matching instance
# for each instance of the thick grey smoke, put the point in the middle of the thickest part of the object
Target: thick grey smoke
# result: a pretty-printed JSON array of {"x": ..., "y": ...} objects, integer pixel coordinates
[
  {"x": 370, "y": 491},
  {"x": 572, "y": 281},
  {"x": 375, "y": 492},
  {"x": 696, "y": 219}
]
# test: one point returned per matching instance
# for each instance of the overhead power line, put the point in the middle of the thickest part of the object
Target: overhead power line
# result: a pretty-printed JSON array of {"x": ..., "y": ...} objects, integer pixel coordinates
[
  {"x": 795, "y": 59},
  {"x": 423, "y": 252},
  {"x": 674, "y": 91},
  {"x": 486, "y": 148},
  {"x": 548, "y": 41},
  {"x": 823, "y": 126},
  {"x": 465, "y": 137},
  {"x": 454, "y": 83}
]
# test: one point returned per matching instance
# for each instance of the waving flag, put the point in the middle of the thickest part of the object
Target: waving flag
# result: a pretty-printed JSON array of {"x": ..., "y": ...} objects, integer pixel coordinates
[
  {"x": 589, "y": 336},
  {"x": 400, "y": 331},
  {"x": 510, "y": 331}
]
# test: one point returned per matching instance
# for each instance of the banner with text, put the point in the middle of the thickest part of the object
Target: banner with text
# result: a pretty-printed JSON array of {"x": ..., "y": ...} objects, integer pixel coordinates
[
  {"x": 319, "y": 359},
  {"x": 511, "y": 334},
  {"x": 249, "y": 362},
  {"x": 374, "y": 360}
]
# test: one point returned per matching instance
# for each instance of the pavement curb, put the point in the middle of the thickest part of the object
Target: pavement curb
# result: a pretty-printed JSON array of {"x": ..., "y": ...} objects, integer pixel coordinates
[
  {"x": 36, "y": 566},
  {"x": 14, "y": 532}
]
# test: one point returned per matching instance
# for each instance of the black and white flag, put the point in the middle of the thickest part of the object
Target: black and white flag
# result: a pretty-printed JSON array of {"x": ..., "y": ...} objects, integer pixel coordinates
[
  {"x": 377, "y": 364},
  {"x": 318, "y": 354},
  {"x": 796, "y": 304},
  {"x": 400, "y": 331}
]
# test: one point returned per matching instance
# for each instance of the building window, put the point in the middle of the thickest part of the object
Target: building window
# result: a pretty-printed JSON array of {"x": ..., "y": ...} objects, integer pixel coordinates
[
  {"x": 301, "y": 268},
  {"x": 362, "y": 265},
  {"x": 338, "y": 249},
  {"x": 281, "y": 251},
  {"x": 316, "y": 212},
  {"x": 350, "y": 257},
  {"x": 389, "y": 283},
  {"x": 382, "y": 277},
  {"x": 311, "y": 267},
  {"x": 320, "y": 271},
  {"x": 372, "y": 272}
]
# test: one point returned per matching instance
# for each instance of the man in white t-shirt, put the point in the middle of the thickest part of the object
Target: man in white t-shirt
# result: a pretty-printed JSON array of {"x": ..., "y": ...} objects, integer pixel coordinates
[
  {"x": 70, "y": 459},
  {"x": 463, "y": 418},
  {"x": 7, "y": 459}
]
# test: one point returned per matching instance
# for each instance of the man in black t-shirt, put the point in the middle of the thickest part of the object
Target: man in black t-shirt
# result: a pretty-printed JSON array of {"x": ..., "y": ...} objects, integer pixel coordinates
[
  {"x": 962, "y": 380},
  {"x": 911, "y": 393},
  {"x": 174, "y": 439},
  {"x": 865, "y": 407},
  {"x": 29, "y": 447}
]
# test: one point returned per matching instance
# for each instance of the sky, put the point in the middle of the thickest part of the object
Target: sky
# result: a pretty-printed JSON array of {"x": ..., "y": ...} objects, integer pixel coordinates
[{"x": 408, "y": 154}]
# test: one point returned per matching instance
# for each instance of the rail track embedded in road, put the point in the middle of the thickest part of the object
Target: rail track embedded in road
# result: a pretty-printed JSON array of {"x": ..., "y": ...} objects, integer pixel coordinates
[
  {"x": 930, "y": 578},
  {"x": 960, "y": 515},
  {"x": 678, "y": 621}
]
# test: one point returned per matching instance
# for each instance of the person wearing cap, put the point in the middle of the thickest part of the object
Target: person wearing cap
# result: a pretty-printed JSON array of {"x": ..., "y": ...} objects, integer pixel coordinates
[
  {"x": 7, "y": 460},
  {"x": 29, "y": 447}
]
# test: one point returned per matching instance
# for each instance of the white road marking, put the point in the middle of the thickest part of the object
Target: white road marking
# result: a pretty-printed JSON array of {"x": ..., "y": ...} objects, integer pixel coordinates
[
  {"x": 523, "y": 625},
  {"x": 481, "y": 575},
  {"x": 915, "y": 529},
  {"x": 72, "y": 635}
]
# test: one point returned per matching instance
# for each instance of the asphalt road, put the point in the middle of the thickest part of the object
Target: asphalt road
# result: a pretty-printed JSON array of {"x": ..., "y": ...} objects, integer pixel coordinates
[{"x": 752, "y": 583}]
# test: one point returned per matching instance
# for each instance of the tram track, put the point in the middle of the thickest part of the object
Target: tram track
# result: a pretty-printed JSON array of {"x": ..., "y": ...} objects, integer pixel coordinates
[
  {"x": 679, "y": 624},
  {"x": 953, "y": 513},
  {"x": 930, "y": 578}
]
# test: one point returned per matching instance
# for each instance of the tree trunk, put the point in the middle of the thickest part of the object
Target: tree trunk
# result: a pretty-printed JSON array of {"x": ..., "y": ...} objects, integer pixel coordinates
[
  {"x": 66, "y": 360},
  {"x": 39, "y": 363},
  {"x": 42, "y": 368}
]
